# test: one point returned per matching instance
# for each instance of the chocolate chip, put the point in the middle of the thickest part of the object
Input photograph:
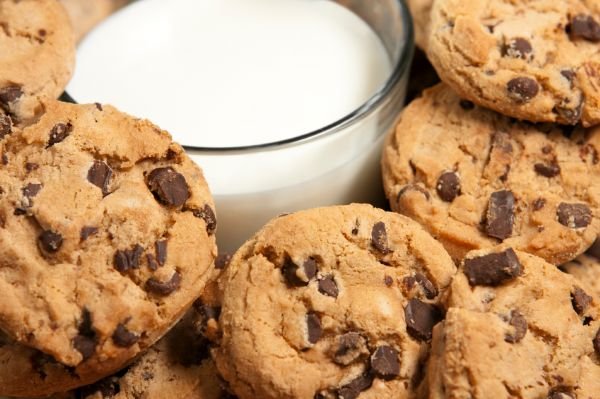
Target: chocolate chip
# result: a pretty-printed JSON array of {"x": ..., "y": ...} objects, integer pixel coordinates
[
  {"x": 388, "y": 281},
  {"x": 568, "y": 74},
  {"x": 327, "y": 286},
  {"x": 164, "y": 288},
  {"x": 5, "y": 126},
  {"x": 585, "y": 27},
  {"x": 9, "y": 95},
  {"x": 379, "y": 238},
  {"x": 385, "y": 363},
  {"x": 356, "y": 386},
  {"x": 349, "y": 347},
  {"x": 493, "y": 269},
  {"x": 580, "y": 300},
  {"x": 161, "y": 251},
  {"x": 522, "y": 89},
  {"x": 31, "y": 166},
  {"x": 568, "y": 113},
  {"x": 31, "y": 190},
  {"x": 168, "y": 186},
  {"x": 222, "y": 260},
  {"x": 518, "y": 48},
  {"x": 420, "y": 319},
  {"x": 59, "y": 132},
  {"x": 99, "y": 175},
  {"x": 574, "y": 216},
  {"x": 124, "y": 338},
  {"x": 85, "y": 341},
  {"x": 428, "y": 287},
  {"x": 49, "y": 241},
  {"x": 128, "y": 259},
  {"x": 297, "y": 276},
  {"x": 538, "y": 204},
  {"x": 209, "y": 217},
  {"x": 87, "y": 231},
  {"x": 500, "y": 215},
  {"x": 561, "y": 393},
  {"x": 520, "y": 326},
  {"x": 547, "y": 170},
  {"x": 152, "y": 264},
  {"x": 596, "y": 342},
  {"x": 594, "y": 250},
  {"x": 466, "y": 105},
  {"x": 448, "y": 186},
  {"x": 313, "y": 325},
  {"x": 98, "y": 106}
]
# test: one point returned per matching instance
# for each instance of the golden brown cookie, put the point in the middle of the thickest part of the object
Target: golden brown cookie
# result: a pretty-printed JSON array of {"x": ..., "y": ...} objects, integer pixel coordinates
[
  {"x": 586, "y": 268},
  {"x": 331, "y": 303},
  {"x": 107, "y": 236},
  {"x": 86, "y": 14},
  {"x": 420, "y": 11},
  {"x": 474, "y": 178}
]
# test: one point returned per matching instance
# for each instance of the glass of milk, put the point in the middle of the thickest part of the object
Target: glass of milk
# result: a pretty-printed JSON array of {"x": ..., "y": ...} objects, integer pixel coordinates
[{"x": 283, "y": 103}]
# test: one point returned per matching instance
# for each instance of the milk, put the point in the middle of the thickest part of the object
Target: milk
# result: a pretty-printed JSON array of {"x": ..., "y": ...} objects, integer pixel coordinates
[{"x": 235, "y": 73}]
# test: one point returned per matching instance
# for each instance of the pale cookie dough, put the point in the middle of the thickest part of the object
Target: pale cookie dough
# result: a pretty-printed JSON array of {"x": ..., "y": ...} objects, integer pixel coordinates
[
  {"x": 106, "y": 236},
  {"x": 333, "y": 302},
  {"x": 37, "y": 55},
  {"x": 517, "y": 327},
  {"x": 536, "y": 60},
  {"x": 474, "y": 178}
]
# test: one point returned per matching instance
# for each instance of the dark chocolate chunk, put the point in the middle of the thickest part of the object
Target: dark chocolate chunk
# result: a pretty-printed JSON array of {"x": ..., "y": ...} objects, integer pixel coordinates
[
  {"x": 522, "y": 89},
  {"x": 574, "y": 216},
  {"x": 428, "y": 287},
  {"x": 313, "y": 328},
  {"x": 561, "y": 393},
  {"x": 31, "y": 190},
  {"x": 448, "y": 186},
  {"x": 152, "y": 264},
  {"x": 350, "y": 347},
  {"x": 520, "y": 327},
  {"x": 500, "y": 215},
  {"x": 31, "y": 166},
  {"x": 580, "y": 300},
  {"x": 9, "y": 95},
  {"x": 164, "y": 288},
  {"x": 379, "y": 238},
  {"x": 5, "y": 126},
  {"x": 49, "y": 241},
  {"x": 99, "y": 175},
  {"x": 168, "y": 186},
  {"x": 85, "y": 341},
  {"x": 569, "y": 113},
  {"x": 98, "y": 106},
  {"x": 584, "y": 27},
  {"x": 493, "y": 269},
  {"x": 328, "y": 286},
  {"x": 385, "y": 363},
  {"x": 59, "y": 132},
  {"x": 518, "y": 48},
  {"x": 466, "y": 105},
  {"x": 420, "y": 319},
  {"x": 388, "y": 281},
  {"x": 569, "y": 74},
  {"x": 161, "y": 251},
  {"x": 297, "y": 276},
  {"x": 123, "y": 337},
  {"x": 356, "y": 386},
  {"x": 87, "y": 231},
  {"x": 209, "y": 217},
  {"x": 596, "y": 342},
  {"x": 128, "y": 259},
  {"x": 538, "y": 204},
  {"x": 547, "y": 170},
  {"x": 222, "y": 260}
]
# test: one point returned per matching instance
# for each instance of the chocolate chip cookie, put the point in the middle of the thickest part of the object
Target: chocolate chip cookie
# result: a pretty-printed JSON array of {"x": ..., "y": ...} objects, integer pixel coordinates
[
  {"x": 37, "y": 57},
  {"x": 420, "y": 11},
  {"x": 586, "y": 268},
  {"x": 331, "y": 303},
  {"x": 534, "y": 60},
  {"x": 85, "y": 14},
  {"x": 475, "y": 178},
  {"x": 516, "y": 327},
  {"x": 106, "y": 236}
]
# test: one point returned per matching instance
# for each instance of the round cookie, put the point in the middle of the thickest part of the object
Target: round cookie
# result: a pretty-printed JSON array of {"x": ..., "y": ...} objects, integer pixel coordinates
[
  {"x": 474, "y": 178},
  {"x": 37, "y": 57},
  {"x": 586, "y": 268},
  {"x": 535, "y": 60},
  {"x": 420, "y": 11},
  {"x": 516, "y": 327},
  {"x": 106, "y": 236},
  {"x": 331, "y": 303},
  {"x": 85, "y": 14}
]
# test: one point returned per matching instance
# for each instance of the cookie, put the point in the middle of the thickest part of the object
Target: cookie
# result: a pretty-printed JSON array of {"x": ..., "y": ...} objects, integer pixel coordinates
[
  {"x": 420, "y": 11},
  {"x": 516, "y": 327},
  {"x": 331, "y": 303},
  {"x": 535, "y": 60},
  {"x": 106, "y": 236},
  {"x": 85, "y": 14},
  {"x": 586, "y": 268},
  {"x": 37, "y": 57},
  {"x": 475, "y": 178}
]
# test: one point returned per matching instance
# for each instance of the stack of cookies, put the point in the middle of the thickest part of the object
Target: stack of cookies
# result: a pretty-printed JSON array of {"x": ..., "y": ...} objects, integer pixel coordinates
[{"x": 482, "y": 282}]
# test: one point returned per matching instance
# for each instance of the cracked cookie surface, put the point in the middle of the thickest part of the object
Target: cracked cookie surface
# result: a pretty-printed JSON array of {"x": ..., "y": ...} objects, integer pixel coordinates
[
  {"x": 474, "y": 178},
  {"x": 535, "y": 60},
  {"x": 331, "y": 302},
  {"x": 106, "y": 236},
  {"x": 37, "y": 57},
  {"x": 533, "y": 333}
]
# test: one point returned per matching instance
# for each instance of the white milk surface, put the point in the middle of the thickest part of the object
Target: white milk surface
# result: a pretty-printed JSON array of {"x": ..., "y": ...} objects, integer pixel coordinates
[{"x": 222, "y": 73}]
